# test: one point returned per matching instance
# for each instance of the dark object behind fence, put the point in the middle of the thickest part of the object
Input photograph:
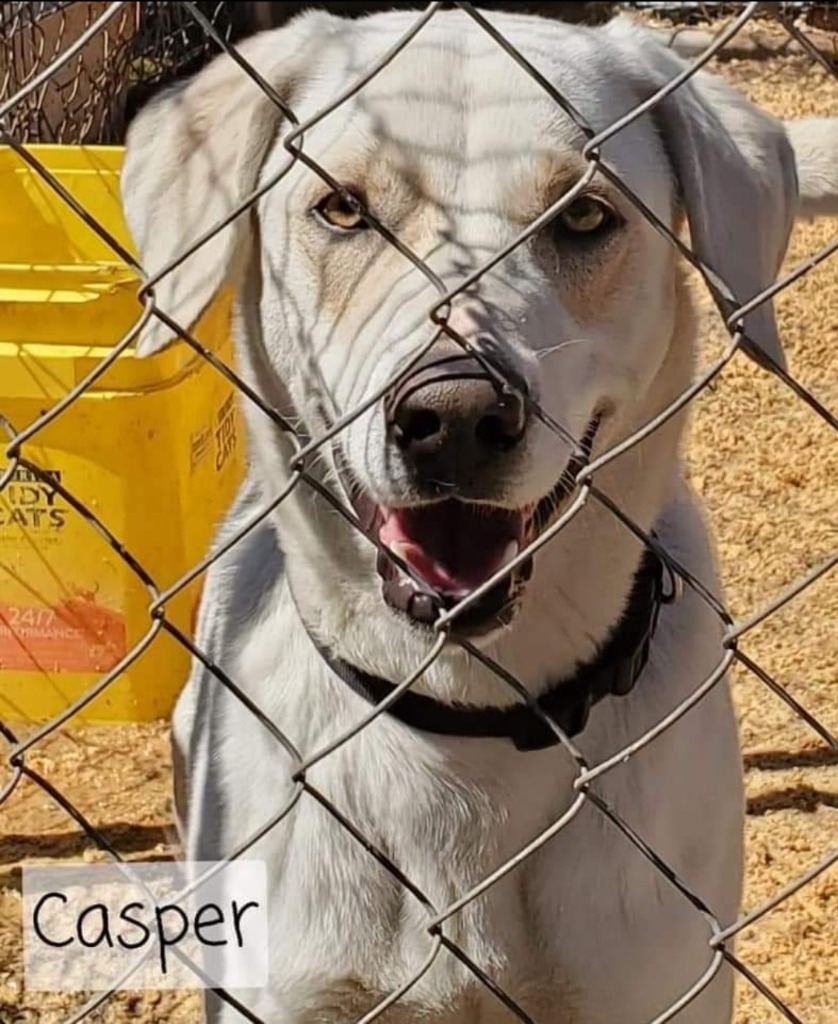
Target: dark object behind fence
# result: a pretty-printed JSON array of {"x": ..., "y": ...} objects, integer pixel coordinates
[{"x": 143, "y": 47}]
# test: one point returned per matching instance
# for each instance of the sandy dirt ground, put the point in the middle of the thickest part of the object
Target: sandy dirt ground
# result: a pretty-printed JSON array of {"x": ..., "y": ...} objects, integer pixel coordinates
[{"x": 767, "y": 468}]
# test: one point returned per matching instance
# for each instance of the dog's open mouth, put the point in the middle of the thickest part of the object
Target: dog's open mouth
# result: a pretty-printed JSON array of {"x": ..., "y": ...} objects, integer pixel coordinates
[{"x": 451, "y": 548}]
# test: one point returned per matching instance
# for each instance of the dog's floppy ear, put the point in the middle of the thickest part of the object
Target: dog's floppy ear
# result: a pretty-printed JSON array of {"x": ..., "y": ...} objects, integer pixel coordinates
[
  {"x": 736, "y": 173},
  {"x": 192, "y": 156}
]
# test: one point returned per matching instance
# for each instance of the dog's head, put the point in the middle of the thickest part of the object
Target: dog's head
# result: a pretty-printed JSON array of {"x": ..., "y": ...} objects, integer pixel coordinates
[{"x": 454, "y": 150}]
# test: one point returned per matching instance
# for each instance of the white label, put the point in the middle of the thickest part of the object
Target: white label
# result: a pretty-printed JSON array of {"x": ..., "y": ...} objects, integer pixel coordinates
[{"x": 141, "y": 926}]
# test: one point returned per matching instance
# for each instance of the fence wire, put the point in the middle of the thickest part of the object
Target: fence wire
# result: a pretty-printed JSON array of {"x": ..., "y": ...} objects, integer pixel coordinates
[
  {"x": 103, "y": 50},
  {"x": 89, "y": 97}
]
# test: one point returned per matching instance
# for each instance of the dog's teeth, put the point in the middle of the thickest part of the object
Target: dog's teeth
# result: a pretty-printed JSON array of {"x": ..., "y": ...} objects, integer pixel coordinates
[
  {"x": 511, "y": 551},
  {"x": 399, "y": 550}
]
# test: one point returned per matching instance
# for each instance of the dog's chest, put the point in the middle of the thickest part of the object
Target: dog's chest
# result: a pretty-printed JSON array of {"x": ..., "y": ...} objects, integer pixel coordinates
[{"x": 352, "y": 922}]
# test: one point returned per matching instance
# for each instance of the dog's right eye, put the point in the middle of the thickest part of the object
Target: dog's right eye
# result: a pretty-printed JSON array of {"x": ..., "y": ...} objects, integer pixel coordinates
[{"x": 341, "y": 211}]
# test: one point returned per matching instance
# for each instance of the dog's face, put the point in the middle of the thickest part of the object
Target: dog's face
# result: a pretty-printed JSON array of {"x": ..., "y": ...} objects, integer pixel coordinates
[{"x": 455, "y": 151}]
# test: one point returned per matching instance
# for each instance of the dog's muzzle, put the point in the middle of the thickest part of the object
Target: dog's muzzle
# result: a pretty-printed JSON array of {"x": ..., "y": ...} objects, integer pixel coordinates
[{"x": 456, "y": 422}]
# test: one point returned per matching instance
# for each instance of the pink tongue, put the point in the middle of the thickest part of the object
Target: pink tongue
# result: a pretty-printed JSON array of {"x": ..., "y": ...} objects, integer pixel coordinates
[
  {"x": 454, "y": 547},
  {"x": 432, "y": 572}
]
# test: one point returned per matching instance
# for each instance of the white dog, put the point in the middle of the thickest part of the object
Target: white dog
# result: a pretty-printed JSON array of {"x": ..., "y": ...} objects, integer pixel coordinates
[{"x": 454, "y": 148}]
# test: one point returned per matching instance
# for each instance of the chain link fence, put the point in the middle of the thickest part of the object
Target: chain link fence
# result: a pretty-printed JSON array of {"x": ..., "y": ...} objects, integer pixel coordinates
[
  {"x": 72, "y": 93},
  {"x": 68, "y": 71}
]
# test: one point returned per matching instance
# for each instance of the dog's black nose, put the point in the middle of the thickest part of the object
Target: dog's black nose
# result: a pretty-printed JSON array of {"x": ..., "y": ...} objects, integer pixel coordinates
[{"x": 453, "y": 417}]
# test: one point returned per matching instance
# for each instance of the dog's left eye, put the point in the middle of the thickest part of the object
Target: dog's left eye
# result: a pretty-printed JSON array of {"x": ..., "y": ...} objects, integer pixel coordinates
[
  {"x": 341, "y": 211},
  {"x": 586, "y": 216}
]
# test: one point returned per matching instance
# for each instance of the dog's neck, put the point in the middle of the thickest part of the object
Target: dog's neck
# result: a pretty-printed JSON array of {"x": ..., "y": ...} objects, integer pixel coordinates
[{"x": 576, "y": 594}]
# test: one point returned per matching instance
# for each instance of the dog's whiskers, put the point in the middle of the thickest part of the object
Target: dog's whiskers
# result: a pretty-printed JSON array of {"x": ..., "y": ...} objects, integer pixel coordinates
[
  {"x": 444, "y": 484},
  {"x": 542, "y": 353}
]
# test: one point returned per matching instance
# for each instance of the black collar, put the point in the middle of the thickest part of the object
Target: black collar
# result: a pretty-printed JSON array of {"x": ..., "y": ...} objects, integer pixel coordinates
[{"x": 613, "y": 672}]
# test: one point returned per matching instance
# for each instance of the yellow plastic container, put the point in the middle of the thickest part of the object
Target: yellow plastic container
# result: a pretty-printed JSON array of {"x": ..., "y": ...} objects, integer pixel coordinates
[{"x": 154, "y": 449}]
